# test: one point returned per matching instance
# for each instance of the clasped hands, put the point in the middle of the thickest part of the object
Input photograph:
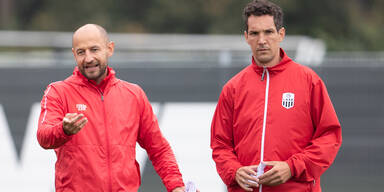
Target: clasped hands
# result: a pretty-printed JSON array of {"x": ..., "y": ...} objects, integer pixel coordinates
[{"x": 278, "y": 174}]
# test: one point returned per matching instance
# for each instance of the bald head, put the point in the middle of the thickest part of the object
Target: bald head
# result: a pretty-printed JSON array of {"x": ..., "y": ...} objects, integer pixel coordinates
[
  {"x": 90, "y": 29},
  {"x": 92, "y": 48}
]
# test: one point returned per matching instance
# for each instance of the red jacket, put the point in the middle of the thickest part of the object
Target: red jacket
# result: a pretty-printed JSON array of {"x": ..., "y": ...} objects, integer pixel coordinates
[
  {"x": 301, "y": 126},
  {"x": 101, "y": 157}
]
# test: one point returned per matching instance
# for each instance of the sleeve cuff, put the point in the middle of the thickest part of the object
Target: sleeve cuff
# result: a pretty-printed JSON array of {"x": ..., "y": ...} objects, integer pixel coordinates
[
  {"x": 61, "y": 133},
  {"x": 291, "y": 167},
  {"x": 232, "y": 179},
  {"x": 174, "y": 184}
]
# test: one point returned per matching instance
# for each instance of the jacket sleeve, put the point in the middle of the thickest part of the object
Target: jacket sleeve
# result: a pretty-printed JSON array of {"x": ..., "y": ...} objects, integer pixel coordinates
[
  {"x": 312, "y": 162},
  {"x": 50, "y": 132},
  {"x": 157, "y": 147},
  {"x": 222, "y": 144}
]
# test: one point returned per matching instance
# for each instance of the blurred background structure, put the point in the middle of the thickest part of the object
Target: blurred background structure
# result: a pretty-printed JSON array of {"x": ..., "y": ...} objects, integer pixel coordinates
[
  {"x": 182, "y": 53},
  {"x": 344, "y": 24}
]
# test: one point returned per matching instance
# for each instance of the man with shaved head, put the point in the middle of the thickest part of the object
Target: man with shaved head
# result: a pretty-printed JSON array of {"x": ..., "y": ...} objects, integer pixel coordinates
[{"x": 93, "y": 120}]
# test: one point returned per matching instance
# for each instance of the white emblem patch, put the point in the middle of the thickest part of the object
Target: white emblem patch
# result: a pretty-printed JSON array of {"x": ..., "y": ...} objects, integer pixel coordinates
[
  {"x": 288, "y": 100},
  {"x": 81, "y": 107}
]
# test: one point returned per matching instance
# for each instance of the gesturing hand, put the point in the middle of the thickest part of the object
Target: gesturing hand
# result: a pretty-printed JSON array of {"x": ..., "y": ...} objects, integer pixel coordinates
[
  {"x": 73, "y": 122},
  {"x": 246, "y": 177},
  {"x": 280, "y": 173}
]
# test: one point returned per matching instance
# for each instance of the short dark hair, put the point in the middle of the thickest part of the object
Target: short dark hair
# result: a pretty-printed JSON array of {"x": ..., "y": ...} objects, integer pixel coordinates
[{"x": 263, "y": 7}]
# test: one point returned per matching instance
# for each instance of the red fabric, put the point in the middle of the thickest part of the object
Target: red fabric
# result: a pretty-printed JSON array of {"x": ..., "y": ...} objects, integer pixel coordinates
[
  {"x": 306, "y": 136},
  {"x": 101, "y": 157}
]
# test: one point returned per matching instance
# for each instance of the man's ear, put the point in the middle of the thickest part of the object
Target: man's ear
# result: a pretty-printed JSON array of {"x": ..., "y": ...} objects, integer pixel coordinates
[
  {"x": 246, "y": 36},
  {"x": 111, "y": 48},
  {"x": 282, "y": 33},
  {"x": 73, "y": 51}
]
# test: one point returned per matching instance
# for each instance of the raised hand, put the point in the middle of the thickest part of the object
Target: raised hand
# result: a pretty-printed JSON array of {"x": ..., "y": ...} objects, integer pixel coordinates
[{"x": 73, "y": 123}]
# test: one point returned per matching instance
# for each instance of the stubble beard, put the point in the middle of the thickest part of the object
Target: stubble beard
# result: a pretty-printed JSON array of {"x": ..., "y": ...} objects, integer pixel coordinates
[
  {"x": 101, "y": 72},
  {"x": 264, "y": 59}
]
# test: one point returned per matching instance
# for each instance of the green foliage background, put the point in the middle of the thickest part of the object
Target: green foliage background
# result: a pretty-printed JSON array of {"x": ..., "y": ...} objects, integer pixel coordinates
[{"x": 343, "y": 24}]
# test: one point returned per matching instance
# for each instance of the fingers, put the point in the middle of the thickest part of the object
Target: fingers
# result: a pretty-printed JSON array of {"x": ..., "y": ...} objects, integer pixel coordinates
[
  {"x": 77, "y": 118},
  {"x": 245, "y": 187},
  {"x": 73, "y": 122},
  {"x": 270, "y": 172},
  {"x": 179, "y": 189},
  {"x": 252, "y": 169},
  {"x": 267, "y": 177},
  {"x": 250, "y": 177},
  {"x": 242, "y": 183},
  {"x": 82, "y": 122},
  {"x": 245, "y": 177},
  {"x": 68, "y": 117},
  {"x": 279, "y": 173}
]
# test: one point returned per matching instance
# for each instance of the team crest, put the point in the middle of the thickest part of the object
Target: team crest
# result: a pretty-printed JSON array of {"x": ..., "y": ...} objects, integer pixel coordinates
[
  {"x": 288, "y": 100},
  {"x": 81, "y": 107}
]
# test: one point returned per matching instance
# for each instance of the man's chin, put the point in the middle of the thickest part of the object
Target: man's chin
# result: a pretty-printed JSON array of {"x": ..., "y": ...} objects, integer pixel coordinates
[
  {"x": 91, "y": 76},
  {"x": 264, "y": 60}
]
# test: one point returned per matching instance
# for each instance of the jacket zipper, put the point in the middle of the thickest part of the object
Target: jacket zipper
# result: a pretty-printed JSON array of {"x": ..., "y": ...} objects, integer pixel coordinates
[
  {"x": 107, "y": 140},
  {"x": 108, "y": 150},
  {"x": 260, "y": 168}
]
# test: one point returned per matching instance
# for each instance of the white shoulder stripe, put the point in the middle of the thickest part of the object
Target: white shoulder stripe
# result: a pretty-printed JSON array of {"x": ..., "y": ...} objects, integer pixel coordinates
[{"x": 45, "y": 104}]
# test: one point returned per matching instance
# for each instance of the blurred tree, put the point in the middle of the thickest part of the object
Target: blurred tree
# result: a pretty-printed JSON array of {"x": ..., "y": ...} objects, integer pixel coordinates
[
  {"x": 344, "y": 24},
  {"x": 70, "y": 14},
  {"x": 26, "y": 12},
  {"x": 7, "y": 19},
  {"x": 129, "y": 16},
  {"x": 226, "y": 16},
  {"x": 177, "y": 16}
]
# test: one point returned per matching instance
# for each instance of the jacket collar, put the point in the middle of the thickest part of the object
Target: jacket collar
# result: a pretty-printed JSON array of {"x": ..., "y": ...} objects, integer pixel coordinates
[
  {"x": 281, "y": 66},
  {"x": 80, "y": 79}
]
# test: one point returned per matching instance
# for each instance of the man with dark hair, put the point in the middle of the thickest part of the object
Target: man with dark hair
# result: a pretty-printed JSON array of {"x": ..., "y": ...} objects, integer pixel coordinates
[
  {"x": 93, "y": 120},
  {"x": 274, "y": 128}
]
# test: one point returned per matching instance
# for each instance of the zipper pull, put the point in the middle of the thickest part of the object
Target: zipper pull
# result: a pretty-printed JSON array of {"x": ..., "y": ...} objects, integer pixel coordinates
[
  {"x": 101, "y": 94},
  {"x": 262, "y": 76}
]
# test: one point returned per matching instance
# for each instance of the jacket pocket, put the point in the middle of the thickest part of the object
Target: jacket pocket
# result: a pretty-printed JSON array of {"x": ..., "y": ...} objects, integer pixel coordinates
[{"x": 64, "y": 165}]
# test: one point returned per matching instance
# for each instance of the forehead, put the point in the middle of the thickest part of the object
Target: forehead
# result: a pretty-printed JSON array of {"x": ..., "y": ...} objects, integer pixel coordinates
[
  {"x": 261, "y": 22},
  {"x": 88, "y": 38}
]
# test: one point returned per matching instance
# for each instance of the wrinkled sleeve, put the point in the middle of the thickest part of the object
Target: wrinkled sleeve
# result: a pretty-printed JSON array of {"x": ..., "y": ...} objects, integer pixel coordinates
[
  {"x": 50, "y": 132},
  {"x": 222, "y": 144},
  {"x": 312, "y": 162},
  {"x": 157, "y": 147}
]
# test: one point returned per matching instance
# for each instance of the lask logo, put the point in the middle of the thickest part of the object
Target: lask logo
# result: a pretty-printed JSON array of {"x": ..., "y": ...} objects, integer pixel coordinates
[
  {"x": 288, "y": 100},
  {"x": 81, "y": 107}
]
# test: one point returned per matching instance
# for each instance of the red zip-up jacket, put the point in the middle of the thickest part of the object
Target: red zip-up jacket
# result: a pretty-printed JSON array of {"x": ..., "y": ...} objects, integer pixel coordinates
[
  {"x": 101, "y": 156},
  {"x": 300, "y": 125}
]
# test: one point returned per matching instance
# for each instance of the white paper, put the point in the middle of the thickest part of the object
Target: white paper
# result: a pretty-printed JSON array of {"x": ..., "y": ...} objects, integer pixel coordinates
[{"x": 190, "y": 187}]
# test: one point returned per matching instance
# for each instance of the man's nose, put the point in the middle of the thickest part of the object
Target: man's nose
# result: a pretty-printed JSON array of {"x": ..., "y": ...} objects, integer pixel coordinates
[
  {"x": 88, "y": 57},
  {"x": 261, "y": 39}
]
